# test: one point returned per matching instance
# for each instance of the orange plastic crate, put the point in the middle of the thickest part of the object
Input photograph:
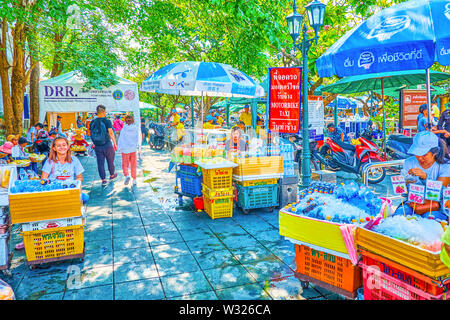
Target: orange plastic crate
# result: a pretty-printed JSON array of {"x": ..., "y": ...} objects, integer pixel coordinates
[
  {"x": 336, "y": 271},
  {"x": 405, "y": 274}
]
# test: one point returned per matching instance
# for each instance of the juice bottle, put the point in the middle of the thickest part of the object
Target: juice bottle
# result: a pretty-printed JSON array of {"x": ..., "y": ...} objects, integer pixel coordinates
[{"x": 5, "y": 178}]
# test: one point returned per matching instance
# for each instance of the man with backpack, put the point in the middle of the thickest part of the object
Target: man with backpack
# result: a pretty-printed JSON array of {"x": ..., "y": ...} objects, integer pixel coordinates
[{"x": 101, "y": 135}]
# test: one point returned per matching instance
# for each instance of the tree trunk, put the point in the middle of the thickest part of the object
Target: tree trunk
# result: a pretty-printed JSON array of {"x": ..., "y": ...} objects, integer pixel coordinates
[
  {"x": 18, "y": 80},
  {"x": 4, "y": 77},
  {"x": 34, "y": 94}
]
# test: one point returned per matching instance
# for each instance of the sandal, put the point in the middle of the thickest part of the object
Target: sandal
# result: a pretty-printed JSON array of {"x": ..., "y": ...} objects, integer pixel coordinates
[{"x": 19, "y": 246}]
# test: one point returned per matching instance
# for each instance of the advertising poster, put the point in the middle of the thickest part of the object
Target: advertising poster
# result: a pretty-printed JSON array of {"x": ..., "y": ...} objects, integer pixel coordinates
[
  {"x": 410, "y": 103},
  {"x": 284, "y": 99}
]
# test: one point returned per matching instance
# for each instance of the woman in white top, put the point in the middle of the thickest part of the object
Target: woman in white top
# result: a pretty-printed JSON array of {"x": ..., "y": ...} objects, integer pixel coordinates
[{"x": 127, "y": 145}]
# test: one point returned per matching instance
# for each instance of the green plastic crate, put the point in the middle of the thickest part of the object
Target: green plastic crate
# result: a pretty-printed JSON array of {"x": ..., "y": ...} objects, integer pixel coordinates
[{"x": 253, "y": 197}]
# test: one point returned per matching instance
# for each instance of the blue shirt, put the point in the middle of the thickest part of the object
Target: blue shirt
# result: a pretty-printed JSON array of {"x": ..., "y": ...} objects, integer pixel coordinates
[
  {"x": 63, "y": 171},
  {"x": 336, "y": 134},
  {"x": 423, "y": 124}
]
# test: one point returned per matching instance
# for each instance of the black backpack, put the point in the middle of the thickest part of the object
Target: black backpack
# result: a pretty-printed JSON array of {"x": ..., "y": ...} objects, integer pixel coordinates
[{"x": 99, "y": 132}]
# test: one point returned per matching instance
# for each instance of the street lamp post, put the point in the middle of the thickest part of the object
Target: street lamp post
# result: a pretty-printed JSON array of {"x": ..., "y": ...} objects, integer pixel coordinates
[{"x": 316, "y": 12}]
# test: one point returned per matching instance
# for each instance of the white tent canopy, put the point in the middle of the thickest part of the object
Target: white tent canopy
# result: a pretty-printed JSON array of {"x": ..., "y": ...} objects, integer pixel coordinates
[{"x": 65, "y": 94}]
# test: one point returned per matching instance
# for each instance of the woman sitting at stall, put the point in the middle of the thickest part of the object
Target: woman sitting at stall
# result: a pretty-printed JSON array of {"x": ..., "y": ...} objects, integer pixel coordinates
[
  {"x": 429, "y": 162},
  {"x": 18, "y": 153},
  {"x": 236, "y": 142},
  {"x": 61, "y": 165}
]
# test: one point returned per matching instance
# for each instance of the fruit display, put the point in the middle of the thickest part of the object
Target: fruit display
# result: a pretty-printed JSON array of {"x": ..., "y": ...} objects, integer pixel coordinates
[
  {"x": 6, "y": 292},
  {"x": 34, "y": 157},
  {"x": 78, "y": 148},
  {"x": 41, "y": 185},
  {"x": 347, "y": 203},
  {"x": 422, "y": 232},
  {"x": 20, "y": 163}
]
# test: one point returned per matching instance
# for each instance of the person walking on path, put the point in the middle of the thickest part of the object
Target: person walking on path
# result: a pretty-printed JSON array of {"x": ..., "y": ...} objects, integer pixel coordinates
[
  {"x": 117, "y": 126},
  {"x": 101, "y": 135},
  {"x": 127, "y": 144}
]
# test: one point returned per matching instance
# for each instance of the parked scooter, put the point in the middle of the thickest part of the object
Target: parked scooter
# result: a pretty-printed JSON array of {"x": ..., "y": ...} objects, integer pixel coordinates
[
  {"x": 397, "y": 146},
  {"x": 156, "y": 136},
  {"x": 337, "y": 155}
]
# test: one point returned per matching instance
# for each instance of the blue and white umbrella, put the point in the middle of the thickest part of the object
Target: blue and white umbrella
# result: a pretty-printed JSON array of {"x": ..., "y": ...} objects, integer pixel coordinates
[
  {"x": 408, "y": 36},
  {"x": 212, "y": 79}
]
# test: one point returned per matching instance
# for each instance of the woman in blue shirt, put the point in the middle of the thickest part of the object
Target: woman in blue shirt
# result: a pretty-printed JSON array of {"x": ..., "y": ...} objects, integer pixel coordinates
[
  {"x": 429, "y": 162},
  {"x": 422, "y": 119}
]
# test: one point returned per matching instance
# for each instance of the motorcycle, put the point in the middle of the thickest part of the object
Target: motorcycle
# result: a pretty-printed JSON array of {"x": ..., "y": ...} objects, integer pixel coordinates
[
  {"x": 336, "y": 155},
  {"x": 296, "y": 141},
  {"x": 156, "y": 136},
  {"x": 397, "y": 146}
]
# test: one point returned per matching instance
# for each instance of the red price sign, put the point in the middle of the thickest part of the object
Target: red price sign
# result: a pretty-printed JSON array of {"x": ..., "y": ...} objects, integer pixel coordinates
[{"x": 284, "y": 100}]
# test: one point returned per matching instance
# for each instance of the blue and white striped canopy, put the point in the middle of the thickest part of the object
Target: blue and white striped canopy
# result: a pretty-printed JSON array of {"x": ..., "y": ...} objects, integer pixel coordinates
[{"x": 193, "y": 78}]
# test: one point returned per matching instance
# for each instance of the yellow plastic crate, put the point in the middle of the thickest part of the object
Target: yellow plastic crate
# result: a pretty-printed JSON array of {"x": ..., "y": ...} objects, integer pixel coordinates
[
  {"x": 258, "y": 166},
  {"x": 47, "y": 205},
  {"x": 218, "y": 178},
  {"x": 54, "y": 242},
  {"x": 220, "y": 207},
  {"x": 213, "y": 193},
  {"x": 261, "y": 182}
]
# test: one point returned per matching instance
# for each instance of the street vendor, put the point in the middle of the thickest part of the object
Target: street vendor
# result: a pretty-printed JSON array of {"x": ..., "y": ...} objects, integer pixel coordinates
[
  {"x": 18, "y": 153},
  {"x": 245, "y": 116},
  {"x": 79, "y": 122},
  {"x": 78, "y": 140},
  {"x": 180, "y": 129},
  {"x": 429, "y": 162},
  {"x": 260, "y": 131},
  {"x": 175, "y": 118},
  {"x": 422, "y": 119},
  {"x": 209, "y": 124},
  {"x": 13, "y": 138},
  {"x": 219, "y": 119},
  {"x": 336, "y": 133},
  {"x": 5, "y": 151},
  {"x": 237, "y": 141}
]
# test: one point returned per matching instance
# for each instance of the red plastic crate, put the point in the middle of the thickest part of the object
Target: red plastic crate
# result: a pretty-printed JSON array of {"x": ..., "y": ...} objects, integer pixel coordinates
[
  {"x": 380, "y": 286},
  {"x": 407, "y": 275},
  {"x": 331, "y": 269}
]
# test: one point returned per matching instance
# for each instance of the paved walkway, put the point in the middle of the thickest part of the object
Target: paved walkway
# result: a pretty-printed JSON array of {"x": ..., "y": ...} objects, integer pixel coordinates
[{"x": 139, "y": 245}]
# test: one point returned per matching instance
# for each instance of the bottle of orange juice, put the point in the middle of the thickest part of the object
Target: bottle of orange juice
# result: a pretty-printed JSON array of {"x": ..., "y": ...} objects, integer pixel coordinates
[{"x": 5, "y": 178}]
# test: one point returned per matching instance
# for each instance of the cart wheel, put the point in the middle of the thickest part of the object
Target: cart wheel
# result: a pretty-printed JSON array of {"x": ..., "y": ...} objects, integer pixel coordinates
[
  {"x": 304, "y": 284},
  {"x": 32, "y": 266}
]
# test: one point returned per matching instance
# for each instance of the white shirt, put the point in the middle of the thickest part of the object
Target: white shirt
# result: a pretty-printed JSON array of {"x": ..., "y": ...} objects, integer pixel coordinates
[{"x": 128, "y": 139}]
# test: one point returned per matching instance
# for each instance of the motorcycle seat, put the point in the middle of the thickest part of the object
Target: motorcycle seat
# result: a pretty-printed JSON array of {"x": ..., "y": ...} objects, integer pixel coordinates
[
  {"x": 345, "y": 146},
  {"x": 401, "y": 138}
]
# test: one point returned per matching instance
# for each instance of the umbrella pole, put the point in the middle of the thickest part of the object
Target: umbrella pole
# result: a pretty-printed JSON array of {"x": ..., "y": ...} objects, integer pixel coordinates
[
  {"x": 228, "y": 112},
  {"x": 428, "y": 96},
  {"x": 384, "y": 118},
  {"x": 192, "y": 112}
]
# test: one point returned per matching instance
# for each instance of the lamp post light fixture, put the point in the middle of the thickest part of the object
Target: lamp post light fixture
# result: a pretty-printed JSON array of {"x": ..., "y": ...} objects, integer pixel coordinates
[{"x": 316, "y": 13}]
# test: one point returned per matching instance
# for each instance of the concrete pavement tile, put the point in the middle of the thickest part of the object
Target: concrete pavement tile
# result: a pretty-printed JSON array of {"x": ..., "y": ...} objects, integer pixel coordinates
[
  {"x": 229, "y": 276},
  {"x": 286, "y": 288},
  {"x": 215, "y": 259},
  {"x": 159, "y": 227},
  {"x": 255, "y": 253},
  {"x": 176, "y": 265},
  {"x": 91, "y": 278},
  {"x": 94, "y": 293},
  {"x": 170, "y": 250},
  {"x": 164, "y": 238},
  {"x": 49, "y": 283},
  {"x": 268, "y": 270},
  {"x": 247, "y": 292},
  {"x": 123, "y": 232},
  {"x": 185, "y": 283},
  {"x": 196, "y": 234},
  {"x": 149, "y": 289},
  {"x": 94, "y": 260},
  {"x": 205, "y": 245},
  {"x": 98, "y": 246},
  {"x": 210, "y": 295},
  {"x": 242, "y": 241},
  {"x": 134, "y": 271},
  {"x": 135, "y": 255},
  {"x": 130, "y": 242},
  {"x": 105, "y": 234}
]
